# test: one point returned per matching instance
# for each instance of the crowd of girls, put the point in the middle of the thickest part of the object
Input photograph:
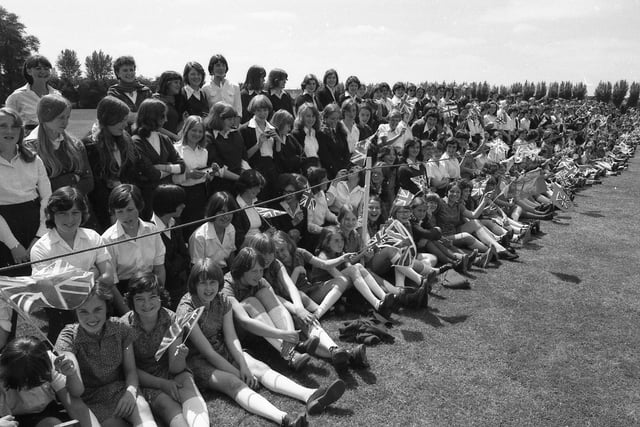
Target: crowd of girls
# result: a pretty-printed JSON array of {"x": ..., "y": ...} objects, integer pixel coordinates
[{"x": 212, "y": 156}]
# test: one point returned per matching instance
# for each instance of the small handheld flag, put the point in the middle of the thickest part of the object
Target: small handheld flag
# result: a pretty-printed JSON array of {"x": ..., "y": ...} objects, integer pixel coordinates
[
  {"x": 404, "y": 198},
  {"x": 181, "y": 325},
  {"x": 269, "y": 213},
  {"x": 307, "y": 201}
]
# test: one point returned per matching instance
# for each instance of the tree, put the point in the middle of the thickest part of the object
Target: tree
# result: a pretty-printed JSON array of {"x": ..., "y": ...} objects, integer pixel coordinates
[
  {"x": 68, "y": 66},
  {"x": 528, "y": 90},
  {"x": 98, "y": 66},
  {"x": 541, "y": 90},
  {"x": 15, "y": 47},
  {"x": 554, "y": 88},
  {"x": 620, "y": 89},
  {"x": 579, "y": 91},
  {"x": 634, "y": 94},
  {"x": 603, "y": 92}
]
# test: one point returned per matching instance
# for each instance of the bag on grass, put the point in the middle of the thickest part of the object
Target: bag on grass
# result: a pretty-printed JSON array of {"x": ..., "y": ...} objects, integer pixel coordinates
[{"x": 453, "y": 280}]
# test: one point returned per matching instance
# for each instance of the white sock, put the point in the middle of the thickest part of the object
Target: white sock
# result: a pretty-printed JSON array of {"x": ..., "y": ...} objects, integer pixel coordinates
[{"x": 195, "y": 412}]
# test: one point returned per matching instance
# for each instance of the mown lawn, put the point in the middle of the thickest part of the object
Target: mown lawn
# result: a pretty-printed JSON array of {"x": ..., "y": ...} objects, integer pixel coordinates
[{"x": 549, "y": 340}]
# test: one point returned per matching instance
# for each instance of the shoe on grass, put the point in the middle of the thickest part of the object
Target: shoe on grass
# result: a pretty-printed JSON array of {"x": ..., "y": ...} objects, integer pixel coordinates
[
  {"x": 308, "y": 346},
  {"x": 339, "y": 357},
  {"x": 325, "y": 396},
  {"x": 298, "y": 361},
  {"x": 358, "y": 357},
  {"x": 295, "y": 420}
]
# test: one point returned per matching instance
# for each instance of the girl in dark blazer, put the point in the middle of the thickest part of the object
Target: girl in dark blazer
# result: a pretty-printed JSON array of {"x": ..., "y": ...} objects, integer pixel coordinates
[
  {"x": 253, "y": 85},
  {"x": 329, "y": 93},
  {"x": 159, "y": 160},
  {"x": 333, "y": 150},
  {"x": 309, "y": 90}
]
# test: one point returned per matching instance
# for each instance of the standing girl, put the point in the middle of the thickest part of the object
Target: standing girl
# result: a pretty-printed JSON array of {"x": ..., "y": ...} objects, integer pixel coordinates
[
  {"x": 104, "y": 351},
  {"x": 24, "y": 193},
  {"x": 166, "y": 384},
  {"x": 196, "y": 103},
  {"x": 280, "y": 100}
]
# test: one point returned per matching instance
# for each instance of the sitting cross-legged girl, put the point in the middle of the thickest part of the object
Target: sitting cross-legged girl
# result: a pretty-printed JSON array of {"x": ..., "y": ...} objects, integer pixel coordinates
[
  {"x": 167, "y": 384},
  {"x": 103, "y": 348},
  {"x": 218, "y": 361},
  {"x": 319, "y": 343}
]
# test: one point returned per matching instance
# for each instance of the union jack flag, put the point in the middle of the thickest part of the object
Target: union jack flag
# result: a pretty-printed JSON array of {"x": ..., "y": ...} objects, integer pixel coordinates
[
  {"x": 59, "y": 285},
  {"x": 404, "y": 198},
  {"x": 269, "y": 213},
  {"x": 560, "y": 198},
  {"x": 403, "y": 240},
  {"x": 359, "y": 155},
  {"x": 422, "y": 182},
  {"x": 450, "y": 110},
  {"x": 182, "y": 325},
  {"x": 307, "y": 201}
]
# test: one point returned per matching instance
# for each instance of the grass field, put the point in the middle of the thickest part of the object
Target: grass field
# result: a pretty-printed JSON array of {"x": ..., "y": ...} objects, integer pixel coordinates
[
  {"x": 549, "y": 340},
  {"x": 81, "y": 121}
]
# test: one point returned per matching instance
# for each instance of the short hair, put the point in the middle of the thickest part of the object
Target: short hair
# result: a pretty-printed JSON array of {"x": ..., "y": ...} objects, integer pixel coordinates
[
  {"x": 193, "y": 65},
  {"x": 408, "y": 144},
  {"x": 352, "y": 79},
  {"x": 244, "y": 261},
  {"x": 276, "y": 77},
  {"x": 166, "y": 198},
  {"x": 431, "y": 114},
  {"x": 203, "y": 270},
  {"x": 215, "y": 59},
  {"x": 218, "y": 112},
  {"x": 25, "y": 363},
  {"x": 298, "y": 124},
  {"x": 249, "y": 178},
  {"x": 218, "y": 201},
  {"x": 120, "y": 196},
  {"x": 142, "y": 282},
  {"x": 259, "y": 101},
  {"x": 329, "y": 72},
  {"x": 164, "y": 80},
  {"x": 64, "y": 199},
  {"x": 189, "y": 123},
  {"x": 315, "y": 177},
  {"x": 329, "y": 109},
  {"x": 308, "y": 78},
  {"x": 261, "y": 242},
  {"x": 32, "y": 62},
  {"x": 398, "y": 85},
  {"x": 150, "y": 116},
  {"x": 281, "y": 118},
  {"x": 25, "y": 153},
  {"x": 348, "y": 104},
  {"x": 121, "y": 61},
  {"x": 111, "y": 111},
  {"x": 253, "y": 80}
]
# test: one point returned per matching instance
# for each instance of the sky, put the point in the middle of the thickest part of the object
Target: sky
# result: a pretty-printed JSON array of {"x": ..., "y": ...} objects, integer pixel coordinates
[{"x": 402, "y": 40}]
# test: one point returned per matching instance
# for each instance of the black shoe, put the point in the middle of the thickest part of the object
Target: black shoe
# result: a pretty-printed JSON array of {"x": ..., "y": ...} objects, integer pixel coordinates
[
  {"x": 298, "y": 361},
  {"x": 295, "y": 420},
  {"x": 386, "y": 305},
  {"x": 308, "y": 346},
  {"x": 358, "y": 357},
  {"x": 508, "y": 256},
  {"x": 339, "y": 357},
  {"x": 325, "y": 396}
]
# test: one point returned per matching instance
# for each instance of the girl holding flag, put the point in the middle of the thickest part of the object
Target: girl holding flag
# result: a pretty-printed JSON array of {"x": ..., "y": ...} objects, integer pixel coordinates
[{"x": 166, "y": 383}]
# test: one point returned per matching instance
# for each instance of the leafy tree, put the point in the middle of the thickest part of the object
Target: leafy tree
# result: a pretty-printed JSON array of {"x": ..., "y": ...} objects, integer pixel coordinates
[
  {"x": 579, "y": 91},
  {"x": 603, "y": 92},
  {"x": 620, "y": 89},
  {"x": 98, "y": 66},
  {"x": 634, "y": 94},
  {"x": 528, "y": 90},
  {"x": 483, "y": 91},
  {"x": 541, "y": 90},
  {"x": 554, "y": 88},
  {"x": 69, "y": 66},
  {"x": 15, "y": 47},
  {"x": 516, "y": 88}
]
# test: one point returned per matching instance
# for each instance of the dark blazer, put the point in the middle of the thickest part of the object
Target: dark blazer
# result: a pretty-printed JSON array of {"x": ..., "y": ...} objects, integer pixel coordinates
[
  {"x": 333, "y": 149},
  {"x": 241, "y": 224},
  {"x": 417, "y": 130},
  {"x": 325, "y": 97}
]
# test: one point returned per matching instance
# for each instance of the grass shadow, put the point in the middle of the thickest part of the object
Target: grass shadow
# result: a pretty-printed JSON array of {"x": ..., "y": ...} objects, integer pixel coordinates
[
  {"x": 570, "y": 278},
  {"x": 532, "y": 246},
  {"x": 412, "y": 336},
  {"x": 593, "y": 214}
]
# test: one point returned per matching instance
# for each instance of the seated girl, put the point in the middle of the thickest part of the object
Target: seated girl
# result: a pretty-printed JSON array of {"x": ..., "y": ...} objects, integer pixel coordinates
[
  {"x": 166, "y": 384},
  {"x": 319, "y": 215},
  {"x": 216, "y": 239},
  {"x": 295, "y": 221},
  {"x": 104, "y": 350},
  {"x": 288, "y": 151},
  {"x": 319, "y": 343},
  {"x": 34, "y": 381},
  {"x": 349, "y": 190},
  {"x": 218, "y": 361},
  {"x": 66, "y": 211},
  {"x": 143, "y": 254},
  {"x": 248, "y": 221},
  {"x": 331, "y": 245},
  {"x": 305, "y": 131}
]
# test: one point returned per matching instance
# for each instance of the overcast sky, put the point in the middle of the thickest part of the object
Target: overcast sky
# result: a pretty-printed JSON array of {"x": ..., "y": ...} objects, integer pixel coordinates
[{"x": 409, "y": 40}]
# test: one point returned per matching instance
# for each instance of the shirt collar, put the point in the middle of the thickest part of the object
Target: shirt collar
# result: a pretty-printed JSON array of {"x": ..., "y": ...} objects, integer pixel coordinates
[
  {"x": 56, "y": 238},
  {"x": 219, "y": 132},
  {"x": 189, "y": 91},
  {"x": 121, "y": 233},
  {"x": 160, "y": 224}
]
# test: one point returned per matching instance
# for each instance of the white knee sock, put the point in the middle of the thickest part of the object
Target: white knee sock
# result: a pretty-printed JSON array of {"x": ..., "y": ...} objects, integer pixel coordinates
[
  {"x": 195, "y": 412},
  {"x": 329, "y": 301},
  {"x": 256, "y": 404}
]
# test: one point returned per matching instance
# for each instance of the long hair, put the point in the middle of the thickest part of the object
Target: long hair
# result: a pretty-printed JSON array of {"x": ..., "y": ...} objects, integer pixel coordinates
[
  {"x": 150, "y": 115},
  {"x": 111, "y": 111},
  {"x": 254, "y": 78},
  {"x": 298, "y": 124},
  {"x": 49, "y": 107}
]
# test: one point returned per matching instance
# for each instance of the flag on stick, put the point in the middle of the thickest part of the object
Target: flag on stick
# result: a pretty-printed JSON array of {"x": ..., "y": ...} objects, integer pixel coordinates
[
  {"x": 404, "y": 198},
  {"x": 421, "y": 182},
  {"x": 183, "y": 324},
  {"x": 530, "y": 183},
  {"x": 359, "y": 155},
  {"x": 269, "y": 213},
  {"x": 560, "y": 198},
  {"x": 59, "y": 285},
  {"x": 307, "y": 201}
]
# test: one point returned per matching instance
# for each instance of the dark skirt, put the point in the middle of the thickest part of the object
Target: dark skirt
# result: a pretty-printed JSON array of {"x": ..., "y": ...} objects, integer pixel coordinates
[
  {"x": 194, "y": 210},
  {"x": 23, "y": 220}
]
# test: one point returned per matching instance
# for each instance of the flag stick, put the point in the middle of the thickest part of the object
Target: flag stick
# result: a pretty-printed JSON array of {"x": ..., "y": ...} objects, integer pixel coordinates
[
  {"x": 27, "y": 319},
  {"x": 365, "y": 201}
]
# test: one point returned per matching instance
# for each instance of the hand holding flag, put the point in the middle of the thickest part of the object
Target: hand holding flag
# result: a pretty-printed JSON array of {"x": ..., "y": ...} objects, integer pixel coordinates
[{"x": 182, "y": 325}]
